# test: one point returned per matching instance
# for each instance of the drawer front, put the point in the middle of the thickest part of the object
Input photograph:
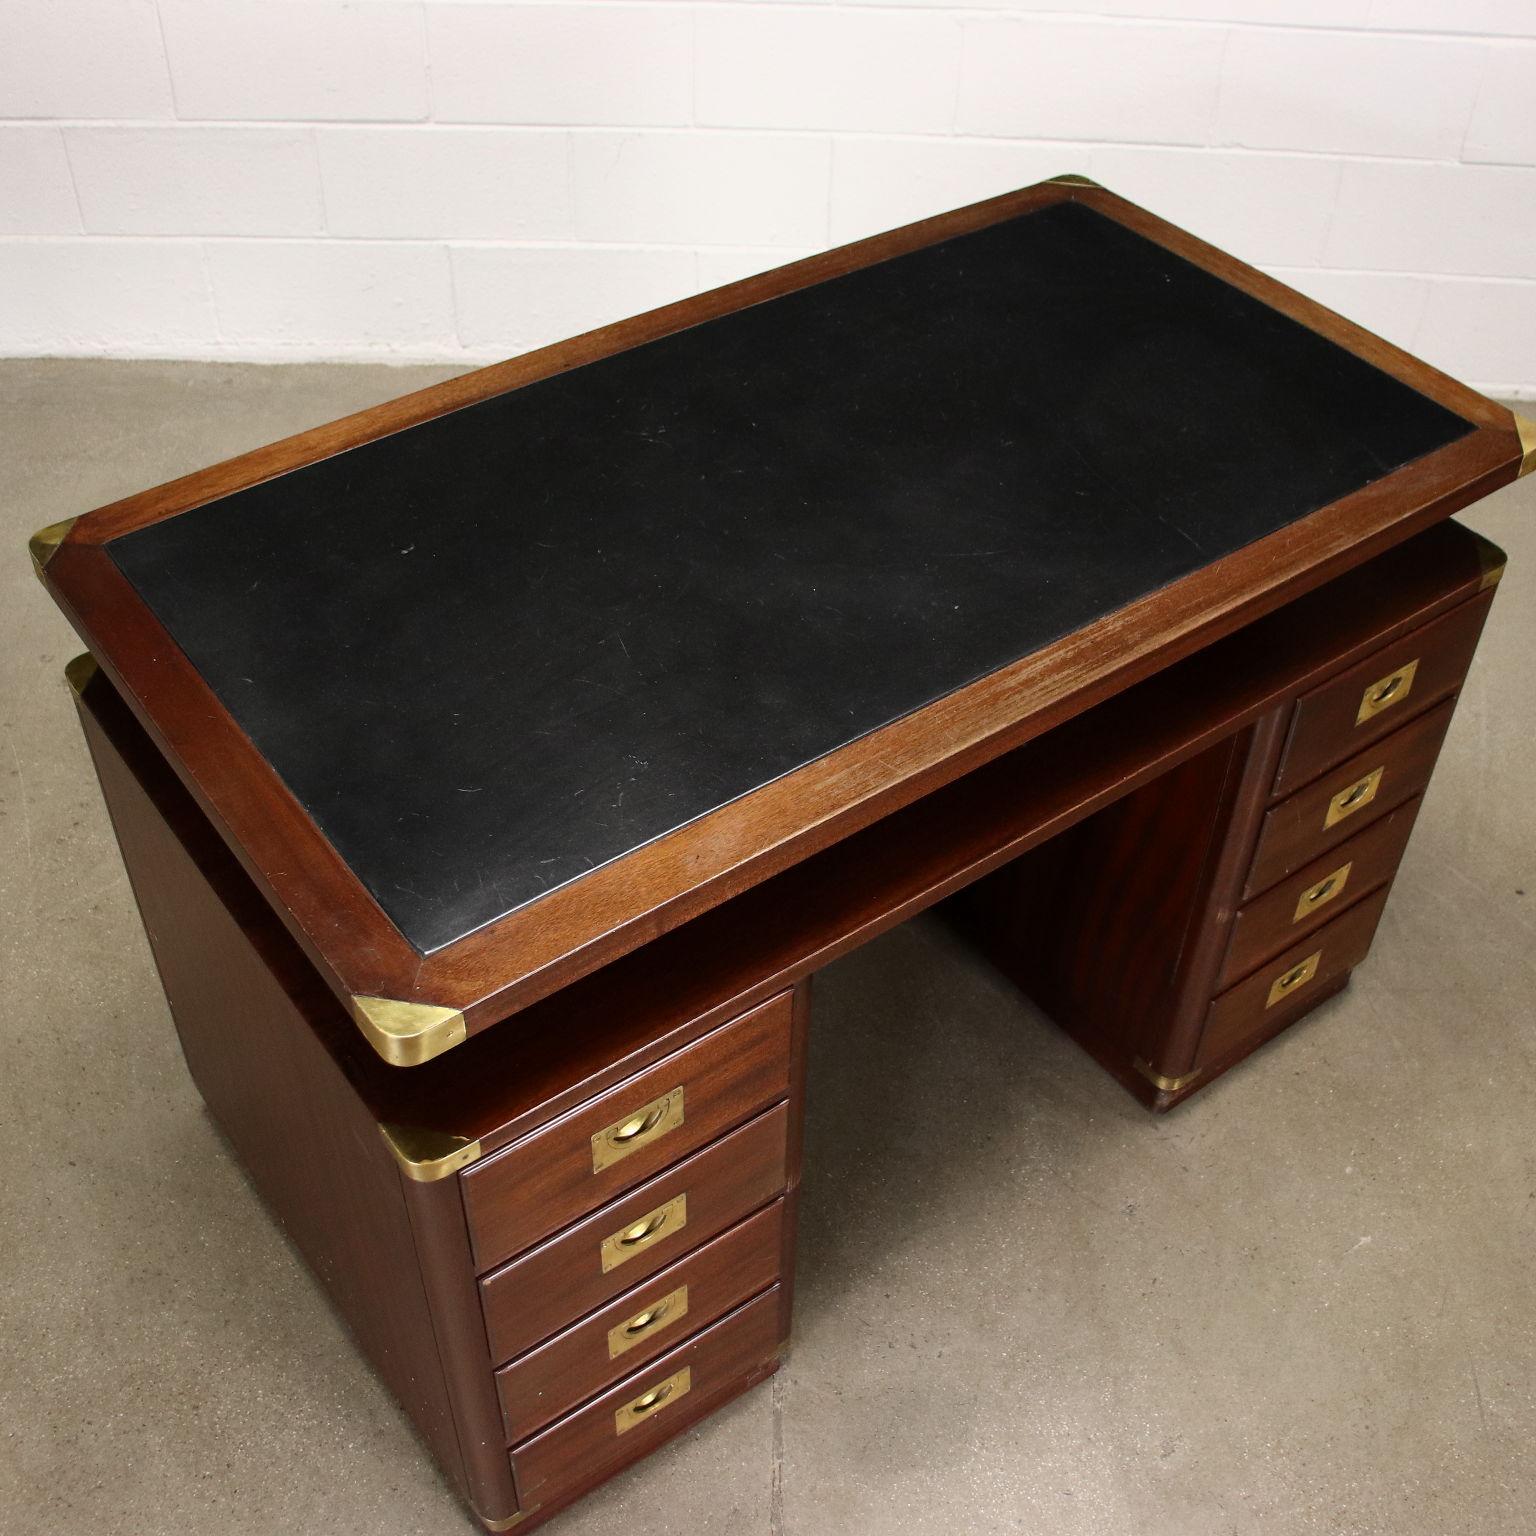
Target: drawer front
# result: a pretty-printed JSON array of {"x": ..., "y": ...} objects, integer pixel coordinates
[
  {"x": 631, "y": 1238},
  {"x": 646, "y": 1321},
  {"x": 1371, "y": 700},
  {"x": 1317, "y": 893},
  {"x": 650, "y": 1405},
  {"x": 1345, "y": 801},
  {"x": 572, "y": 1166},
  {"x": 1281, "y": 991}
]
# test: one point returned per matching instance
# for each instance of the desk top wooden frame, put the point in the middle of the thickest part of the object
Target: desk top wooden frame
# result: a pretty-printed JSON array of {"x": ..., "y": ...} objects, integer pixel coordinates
[{"x": 413, "y": 1006}]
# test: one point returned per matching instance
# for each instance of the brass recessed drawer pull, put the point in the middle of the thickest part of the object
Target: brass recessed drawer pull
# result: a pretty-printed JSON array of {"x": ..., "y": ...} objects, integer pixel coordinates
[
  {"x": 637, "y": 1408},
  {"x": 640, "y": 1235},
  {"x": 640, "y": 1128},
  {"x": 1290, "y": 981},
  {"x": 1354, "y": 797},
  {"x": 1386, "y": 691},
  {"x": 671, "y": 1308},
  {"x": 1329, "y": 888}
]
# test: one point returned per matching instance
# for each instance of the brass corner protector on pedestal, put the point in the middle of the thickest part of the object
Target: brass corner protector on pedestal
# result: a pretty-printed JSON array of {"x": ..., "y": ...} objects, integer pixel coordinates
[
  {"x": 428, "y": 1155},
  {"x": 407, "y": 1034},
  {"x": 1527, "y": 430},
  {"x": 503, "y": 1525},
  {"x": 79, "y": 672},
  {"x": 1161, "y": 1083},
  {"x": 45, "y": 541},
  {"x": 1072, "y": 179}
]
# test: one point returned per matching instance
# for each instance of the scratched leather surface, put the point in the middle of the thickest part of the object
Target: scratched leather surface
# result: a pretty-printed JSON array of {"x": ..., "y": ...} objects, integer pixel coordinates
[{"x": 496, "y": 650}]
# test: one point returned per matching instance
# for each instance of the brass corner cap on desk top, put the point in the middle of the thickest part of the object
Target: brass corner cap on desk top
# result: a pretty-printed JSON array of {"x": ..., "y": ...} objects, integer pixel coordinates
[
  {"x": 1527, "y": 430},
  {"x": 45, "y": 541},
  {"x": 407, "y": 1034},
  {"x": 428, "y": 1155}
]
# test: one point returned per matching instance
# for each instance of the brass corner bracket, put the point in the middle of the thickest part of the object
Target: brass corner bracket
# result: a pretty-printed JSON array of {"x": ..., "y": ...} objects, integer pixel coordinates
[
  {"x": 507, "y": 1524},
  {"x": 427, "y": 1155},
  {"x": 79, "y": 672},
  {"x": 1161, "y": 1083},
  {"x": 407, "y": 1034},
  {"x": 45, "y": 542},
  {"x": 1527, "y": 430},
  {"x": 1072, "y": 179}
]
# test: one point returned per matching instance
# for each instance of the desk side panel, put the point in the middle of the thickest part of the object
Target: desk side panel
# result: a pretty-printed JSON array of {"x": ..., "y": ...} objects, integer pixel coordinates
[{"x": 310, "y": 1147}]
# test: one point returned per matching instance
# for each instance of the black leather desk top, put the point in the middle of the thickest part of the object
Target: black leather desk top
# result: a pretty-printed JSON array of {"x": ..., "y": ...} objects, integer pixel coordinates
[{"x": 498, "y": 649}]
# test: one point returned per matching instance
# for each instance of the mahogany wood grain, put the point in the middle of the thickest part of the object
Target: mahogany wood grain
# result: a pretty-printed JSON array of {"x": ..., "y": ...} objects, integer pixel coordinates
[
  {"x": 540, "y": 1292},
  {"x": 305, "y": 1138},
  {"x": 799, "y": 1077},
  {"x": 717, "y": 1360},
  {"x": 539, "y": 1184},
  {"x": 1160, "y": 1101},
  {"x": 1113, "y": 931},
  {"x": 1268, "y": 924},
  {"x": 1239, "y": 820},
  {"x": 1242, "y": 1012},
  {"x": 1326, "y": 727},
  {"x": 552, "y": 1378},
  {"x": 689, "y": 1413},
  {"x": 1097, "y": 935},
  {"x": 1293, "y": 833},
  {"x": 442, "y": 1250},
  {"x": 530, "y": 954}
]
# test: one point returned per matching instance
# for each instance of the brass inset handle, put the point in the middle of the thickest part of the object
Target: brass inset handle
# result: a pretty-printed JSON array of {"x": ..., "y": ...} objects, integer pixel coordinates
[
  {"x": 1329, "y": 888},
  {"x": 639, "y": 1125},
  {"x": 671, "y": 1308},
  {"x": 677, "y": 1385},
  {"x": 637, "y": 1236},
  {"x": 1386, "y": 691},
  {"x": 637, "y": 1129},
  {"x": 1289, "y": 980},
  {"x": 1354, "y": 797}
]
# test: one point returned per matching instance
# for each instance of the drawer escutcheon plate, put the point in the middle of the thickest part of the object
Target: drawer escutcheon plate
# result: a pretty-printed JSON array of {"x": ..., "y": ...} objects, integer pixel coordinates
[{"x": 639, "y": 1128}]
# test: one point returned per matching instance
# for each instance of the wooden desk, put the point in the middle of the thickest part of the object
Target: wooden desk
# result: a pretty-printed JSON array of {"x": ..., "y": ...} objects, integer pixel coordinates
[{"x": 495, "y": 768}]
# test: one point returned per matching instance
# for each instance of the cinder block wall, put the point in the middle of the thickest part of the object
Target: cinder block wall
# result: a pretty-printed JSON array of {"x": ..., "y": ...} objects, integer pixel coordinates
[{"x": 464, "y": 179}]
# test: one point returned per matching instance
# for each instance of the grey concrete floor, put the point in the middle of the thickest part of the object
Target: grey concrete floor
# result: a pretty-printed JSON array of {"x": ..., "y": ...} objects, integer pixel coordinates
[{"x": 1302, "y": 1303}]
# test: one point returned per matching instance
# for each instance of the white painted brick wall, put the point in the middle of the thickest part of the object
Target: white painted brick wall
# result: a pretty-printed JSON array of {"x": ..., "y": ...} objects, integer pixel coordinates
[
  {"x": 295, "y": 60},
  {"x": 447, "y": 184},
  {"x": 196, "y": 180},
  {"x": 571, "y": 64},
  {"x": 464, "y": 179}
]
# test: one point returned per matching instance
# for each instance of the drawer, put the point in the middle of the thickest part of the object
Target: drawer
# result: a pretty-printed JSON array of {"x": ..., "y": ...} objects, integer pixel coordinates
[
  {"x": 1345, "y": 800},
  {"x": 649, "y": 1406},
  {"x": 644, "y": 1322},
  {"x": 1373, "y": 699},
  {"x": 631, "y": 1238},
  {"x": 1317, "y": 892},
  {"x": 575, "y": 1164},
  {"x": 1280, "y": 992}
]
